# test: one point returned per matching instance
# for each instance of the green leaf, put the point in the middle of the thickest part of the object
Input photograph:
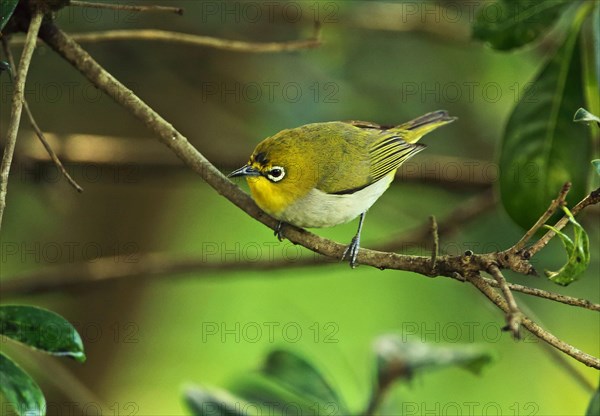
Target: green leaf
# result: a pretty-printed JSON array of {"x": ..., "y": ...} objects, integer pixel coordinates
[
  {"x": 397, "y": 358},
  {"x": 20, "y": 389},
  {"x": 584, "y": 116},
  {"x": 286, "y": 384},
  {"x": 203, "y": 402},
  {"x": 596, "y": 164},
  {"x": 267, "y": 395},
  {"x": 594, "y": 406},
  {"x": 578, "y": 253},
  {"x": 7, "y": 7},
  {"x": 541, "y": 148},
  {"x": 298, "y": 374},
  {"x": 41, "y": 329},
  {"x": 288, "y": 379},
  {"x": 508, "y": 24}
]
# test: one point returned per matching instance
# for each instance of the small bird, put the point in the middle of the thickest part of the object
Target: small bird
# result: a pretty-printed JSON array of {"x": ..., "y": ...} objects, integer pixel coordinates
[{"x": 325, "y": 174}]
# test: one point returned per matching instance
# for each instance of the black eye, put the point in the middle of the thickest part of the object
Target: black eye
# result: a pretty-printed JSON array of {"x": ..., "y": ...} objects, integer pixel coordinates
[{"x": 276, "y": 173}]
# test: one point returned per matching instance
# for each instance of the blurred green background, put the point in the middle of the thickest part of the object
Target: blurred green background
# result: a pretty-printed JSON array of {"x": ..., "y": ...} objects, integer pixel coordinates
[{"x": 146, "y": 339}]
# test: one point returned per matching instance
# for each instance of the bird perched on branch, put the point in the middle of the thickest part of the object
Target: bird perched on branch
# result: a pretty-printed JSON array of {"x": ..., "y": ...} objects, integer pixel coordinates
[{"x": 325, "y": 174}]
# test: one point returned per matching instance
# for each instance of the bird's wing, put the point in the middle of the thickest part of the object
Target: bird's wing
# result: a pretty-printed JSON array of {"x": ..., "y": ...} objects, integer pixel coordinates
[
  {"x": 363, "y": 160},
  {"x": 388, "y": 153}
]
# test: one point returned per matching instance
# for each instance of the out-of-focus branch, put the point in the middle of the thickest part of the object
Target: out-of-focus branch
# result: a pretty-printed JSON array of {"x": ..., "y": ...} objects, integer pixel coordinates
[
  {"x": 17, "y": 105},
  {"x": 157, "y": 35},
  {"x": 133, "y": 8},
  {"x": 454, "y": 172}
]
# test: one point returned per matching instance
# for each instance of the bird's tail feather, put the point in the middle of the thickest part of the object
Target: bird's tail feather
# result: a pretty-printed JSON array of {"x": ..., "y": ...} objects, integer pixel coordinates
[{"x": 415, "y": 129}]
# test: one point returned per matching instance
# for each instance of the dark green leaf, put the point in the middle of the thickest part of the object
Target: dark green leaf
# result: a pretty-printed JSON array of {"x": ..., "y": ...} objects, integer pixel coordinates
[
  {"x": 542, "y": 148},
  {"x": 578, "y": 253},
  {"x": 41, "y": 329},
  {"x": 584, "y": 116},
  {"x": 20, "y": 389},
  {"x": 298, "y": 374},
  {"x": 401, "y": 359},
  {"x": 508, "y": 24},
  {"x": 596, "y": 164},
  {"x": 594, "y": 406},
  {"x": 290, "y": 380},
  {"x": 270, "y": 396},
  {"x": 7, "y": 7},
  {"x": 213, "y": 402}
]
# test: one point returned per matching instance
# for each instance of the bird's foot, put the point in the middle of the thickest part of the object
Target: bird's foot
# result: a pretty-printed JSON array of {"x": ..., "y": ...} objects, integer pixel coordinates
[
  {"x": 351, "y": 251},
  {"x": 278, "y": 231}
]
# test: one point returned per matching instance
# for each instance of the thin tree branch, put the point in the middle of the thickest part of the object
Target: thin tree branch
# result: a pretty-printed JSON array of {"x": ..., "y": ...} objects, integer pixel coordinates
[
  {"x": 554, "y": 205},
  {"x": 168, "y": 135},
  {"x": 514, "y": 316},
  {"x": 176, "y": 10},
  {"x": 36, "y": 128},
  {"x": 592, "y": 198},
  {"x": 534, "y": 328},
  {"x": 17, "y": 105},
  {"x": 196, "y": 40},
  {"x": 436, "y": 243}
]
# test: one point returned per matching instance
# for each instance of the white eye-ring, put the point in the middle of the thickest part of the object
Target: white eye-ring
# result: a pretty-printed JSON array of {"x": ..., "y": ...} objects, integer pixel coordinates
[{"x": 276, "y": 173}]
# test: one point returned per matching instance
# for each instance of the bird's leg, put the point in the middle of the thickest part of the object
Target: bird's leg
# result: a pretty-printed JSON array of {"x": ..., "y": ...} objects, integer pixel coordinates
[
  {"x": 278, "y": 231},
  {"x": 352, "y": 250}
]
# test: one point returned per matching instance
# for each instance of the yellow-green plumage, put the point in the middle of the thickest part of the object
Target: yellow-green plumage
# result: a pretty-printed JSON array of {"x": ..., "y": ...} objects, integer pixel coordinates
[{"x": 324, "y": 174}]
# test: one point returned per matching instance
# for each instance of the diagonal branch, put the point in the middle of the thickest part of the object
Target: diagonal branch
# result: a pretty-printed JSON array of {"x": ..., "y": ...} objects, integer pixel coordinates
[
  {"x": 592, "y": 198},
  {"x": 514, "y": 315},
  {"x": 168, "y": 135},
  {"x": 532, "y": 327},
  {"x": 36, "y": 128},
  {"x": 17, "y": 105},
  {"x": 554, "y": 205}
]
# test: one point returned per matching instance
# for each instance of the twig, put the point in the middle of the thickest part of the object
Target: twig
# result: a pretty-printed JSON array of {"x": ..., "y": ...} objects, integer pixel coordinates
[
  {"x": 436, "y": 243},
  {"x": 554, "y": 205},
  {"x": 513, "y": 318},
  {"x": 176, "y": 10},
  {"x": 37, "y": 129},
  {"x": 196, "y": 40},
  {"x": 534, "y": 328},
  {"x": 592, "y": 198},
  {"x": 540, "y": 293},
  {"x": 168, "y": 135},
  {"x": 17, "y": 105}
]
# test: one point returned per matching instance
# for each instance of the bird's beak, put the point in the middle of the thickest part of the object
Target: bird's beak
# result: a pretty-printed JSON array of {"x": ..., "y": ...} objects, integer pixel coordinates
[{"x": 244, "y": 171}]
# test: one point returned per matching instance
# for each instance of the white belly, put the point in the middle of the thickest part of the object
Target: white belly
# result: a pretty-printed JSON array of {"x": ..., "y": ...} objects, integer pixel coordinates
[{"x": 318, "y": 209}]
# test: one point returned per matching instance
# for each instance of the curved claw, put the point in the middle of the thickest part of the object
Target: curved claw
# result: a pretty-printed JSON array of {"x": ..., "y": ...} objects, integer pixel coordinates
[
  {"x": 351, "y": 252},
  {"x": 278, "y": 231}
]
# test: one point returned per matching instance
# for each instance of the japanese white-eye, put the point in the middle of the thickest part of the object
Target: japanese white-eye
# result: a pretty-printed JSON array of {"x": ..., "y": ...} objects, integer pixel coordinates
[{"x": 325, "y": 174}]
